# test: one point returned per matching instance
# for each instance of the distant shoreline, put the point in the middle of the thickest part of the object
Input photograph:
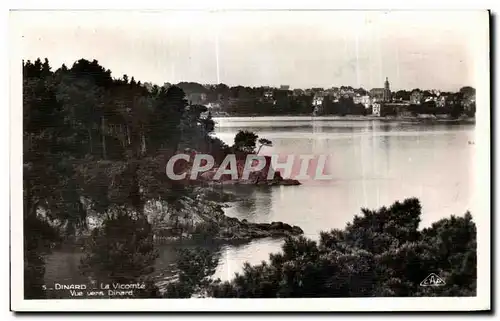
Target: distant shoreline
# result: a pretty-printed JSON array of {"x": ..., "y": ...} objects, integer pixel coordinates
[{"x": 412, "y": 119}]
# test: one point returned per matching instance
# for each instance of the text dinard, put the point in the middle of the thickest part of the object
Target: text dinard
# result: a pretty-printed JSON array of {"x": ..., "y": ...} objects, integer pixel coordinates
[
  {"x": 102, "y": 286},
  {"x": 113, "y": 289}
]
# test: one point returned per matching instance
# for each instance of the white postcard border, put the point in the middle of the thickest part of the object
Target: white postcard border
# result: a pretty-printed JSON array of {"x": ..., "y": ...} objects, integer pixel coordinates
[{"x": 482, "y": 219}]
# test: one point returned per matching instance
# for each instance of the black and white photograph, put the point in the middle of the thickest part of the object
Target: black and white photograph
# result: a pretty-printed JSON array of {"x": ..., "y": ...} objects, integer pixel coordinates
[{"x": 289, "y": 160}]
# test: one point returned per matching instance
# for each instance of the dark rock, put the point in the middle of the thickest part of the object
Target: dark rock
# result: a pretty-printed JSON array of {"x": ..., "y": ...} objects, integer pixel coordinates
[
  {"x": 212, "y": 224},
  {"x": 289, "y": 182},
  {"x": 277, "y": 225}
]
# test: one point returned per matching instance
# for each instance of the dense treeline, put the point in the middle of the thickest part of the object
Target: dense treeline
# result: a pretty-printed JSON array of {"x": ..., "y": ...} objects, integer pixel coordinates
[
  {"x": 97, "y": 146},
  {"x": 453, "y": 107},
  {"x": 344, "y": 106},
  {"x": 241, "y": 100}
]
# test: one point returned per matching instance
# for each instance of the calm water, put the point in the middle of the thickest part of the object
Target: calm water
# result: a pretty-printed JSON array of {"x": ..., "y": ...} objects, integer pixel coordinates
[{"x": 373, "y": 163}]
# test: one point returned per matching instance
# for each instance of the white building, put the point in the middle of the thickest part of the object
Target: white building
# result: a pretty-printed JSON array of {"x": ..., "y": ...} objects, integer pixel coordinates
[
  {"x": 213, "y": 106},
  {"x": 441, "y": 101},
  {"x": 363, "y": 100},
  {"x": 318, "y": 101},
  {"x": 268, "y": 94},
  {"x": 376, "y": 108}
]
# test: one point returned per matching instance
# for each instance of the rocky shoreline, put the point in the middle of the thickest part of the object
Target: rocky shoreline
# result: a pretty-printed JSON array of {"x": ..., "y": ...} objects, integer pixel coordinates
[
  {"x": 203, "y": 220},
  {"x": 274, "y": 182},
  {"x": 200, "y": 217},
  {"x": 241, "y": 232}
]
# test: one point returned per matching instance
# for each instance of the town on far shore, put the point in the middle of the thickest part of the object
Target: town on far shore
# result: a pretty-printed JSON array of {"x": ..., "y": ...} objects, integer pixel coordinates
[{"x": 222, "y": 100}]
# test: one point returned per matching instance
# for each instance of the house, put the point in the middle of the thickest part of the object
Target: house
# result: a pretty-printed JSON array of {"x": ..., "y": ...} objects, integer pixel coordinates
[
  {"x": 298, "y": 92},
  {"x": 376, "y": 109},
  {"x": 430, "y": 98},
  {"x": 469, "y": 102},
  {"x": 332, "y": 92},
  {"x": 382, "y": 94},
  {"x": 377, "y": 94},
  {"x": 363, "y": 100},
  {"x": 435, "y": 92},
  {"x": 316, "y": 91},
  {"x": 441, "y": 101},
  {"x": 321, "y": 93},
  {"x": 148, "y": 86},
  {"x": 284, "y": 87},
  {"x": 318, "y": 100},
  {"x": 357, "y": 99},
  {"x": 416, "y": 97},
  {"x": 213, "y": 106},
  {"x": 196, "y": 98},
  {"x": 347, "y": 91}
]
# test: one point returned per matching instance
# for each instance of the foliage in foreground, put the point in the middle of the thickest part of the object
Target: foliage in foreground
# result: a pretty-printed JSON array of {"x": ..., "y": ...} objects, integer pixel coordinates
[
  {"x": 381, "y": 253},
  {"x": 194, "y": 270},
  {"x": 121, "y": 251}
]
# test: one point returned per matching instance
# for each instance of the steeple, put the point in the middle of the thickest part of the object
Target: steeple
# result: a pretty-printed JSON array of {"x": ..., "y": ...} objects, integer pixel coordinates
[{"x": 387, "y": 90}]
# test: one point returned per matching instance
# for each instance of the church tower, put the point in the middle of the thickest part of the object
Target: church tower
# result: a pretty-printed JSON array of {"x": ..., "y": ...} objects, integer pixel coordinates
[{"x": 387, "y": 90}]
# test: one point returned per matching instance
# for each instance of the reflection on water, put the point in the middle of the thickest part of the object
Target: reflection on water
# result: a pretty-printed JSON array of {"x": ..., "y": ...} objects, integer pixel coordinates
[
  {"x": 250, "y": 201},
  {"x": 373, "y": 163},
  {"x": 233, "y": 258}
]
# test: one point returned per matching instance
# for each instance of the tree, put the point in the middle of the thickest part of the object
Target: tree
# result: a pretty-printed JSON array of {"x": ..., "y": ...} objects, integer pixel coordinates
[
  {"x": 467, "y": 91},
  {"x": 51, "y": 206},
  {"x": 381, "y": 253},
  {"x": 361, "y": 91},
  {"x": 121, "y": 251},
  {"x": 168, "y": 109},
  {"x": 84, "y": 103},
  {"x": 327, "y": 106},
  {"x": 264, "y": 142},
  {"x": 244, "y": 141},
  {"x": 208, "y": 123},
  {"x": 402, "y": 95},
  {"x": 471, "y": 111},
  {"x": 85, "y": 137},
  {"x": 454, "y": 103},
  {"x": 194, "y": 269}
]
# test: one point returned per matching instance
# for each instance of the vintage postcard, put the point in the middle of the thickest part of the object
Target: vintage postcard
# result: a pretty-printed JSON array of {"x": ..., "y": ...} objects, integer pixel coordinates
[{"x": 255, "y": 160}]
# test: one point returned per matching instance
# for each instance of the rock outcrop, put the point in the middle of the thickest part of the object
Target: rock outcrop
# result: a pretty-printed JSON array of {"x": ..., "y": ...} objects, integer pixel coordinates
[
  {"x": 202, "y": 219},
  {"x": 259, "y": 177}
]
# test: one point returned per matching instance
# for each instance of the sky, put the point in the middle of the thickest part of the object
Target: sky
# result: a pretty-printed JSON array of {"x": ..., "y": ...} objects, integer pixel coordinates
[{"x": 302, "y": 49}]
